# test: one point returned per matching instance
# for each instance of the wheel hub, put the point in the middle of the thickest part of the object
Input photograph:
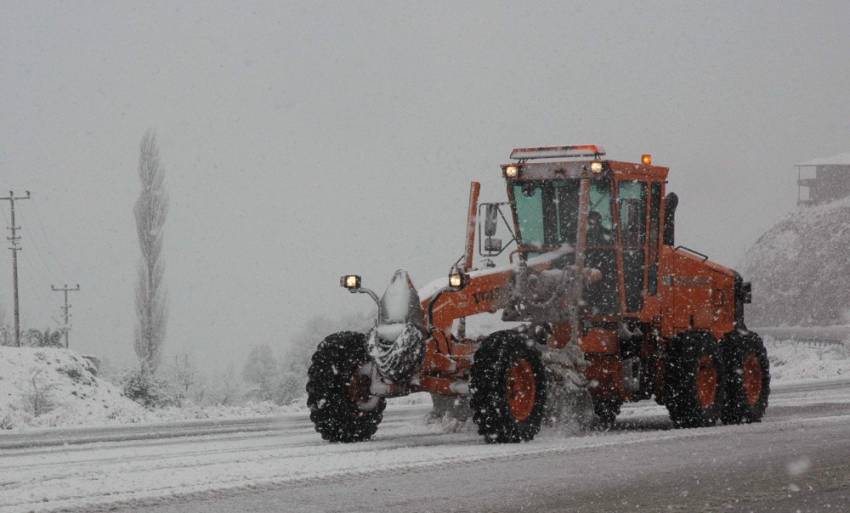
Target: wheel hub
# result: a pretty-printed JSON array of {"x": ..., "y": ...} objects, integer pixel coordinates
[
  {"x": 752, "y": 379},
  {"x": 358, "y": 388},
  {"x": 522, "y": 390},
  {"x": 706, "y": 382}
]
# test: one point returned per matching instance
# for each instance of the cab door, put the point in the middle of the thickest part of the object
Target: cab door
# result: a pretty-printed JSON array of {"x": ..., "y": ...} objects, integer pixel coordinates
[{"x": 633, "y": 200}]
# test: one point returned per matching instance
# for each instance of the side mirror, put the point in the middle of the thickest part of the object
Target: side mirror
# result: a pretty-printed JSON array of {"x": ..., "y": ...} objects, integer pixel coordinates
[
  {"x": 491, "y": 219},
  {"x": 492, "y": 245}
]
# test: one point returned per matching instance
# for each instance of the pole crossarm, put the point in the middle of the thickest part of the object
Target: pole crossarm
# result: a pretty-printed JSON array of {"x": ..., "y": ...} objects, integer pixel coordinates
[{"x": 66, "y": 310}]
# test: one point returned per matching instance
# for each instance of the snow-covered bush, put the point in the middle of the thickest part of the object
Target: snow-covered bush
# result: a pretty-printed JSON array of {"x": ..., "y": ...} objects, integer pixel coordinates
[
  {"x": 38, "y": 398},
  {"x": 290, "y": 387},
  {"x": 46, "y": 338},
  {"x": 148, "y": 390},
  {"x": 261, "y": 372},
  {"x": 218, "y": 389}
]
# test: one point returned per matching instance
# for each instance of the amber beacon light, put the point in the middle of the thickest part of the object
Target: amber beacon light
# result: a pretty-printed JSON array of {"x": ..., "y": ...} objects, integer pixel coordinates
[{"x": 646, "y": 158}]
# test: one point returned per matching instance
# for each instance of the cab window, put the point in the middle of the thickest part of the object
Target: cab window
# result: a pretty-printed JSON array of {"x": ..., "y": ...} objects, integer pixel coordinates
[
  {"x": 602, "y": 297},
  {"x": 632, "y": 210}
]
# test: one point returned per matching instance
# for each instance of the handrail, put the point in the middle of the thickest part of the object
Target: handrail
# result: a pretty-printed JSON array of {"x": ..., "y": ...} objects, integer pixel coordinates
[{"x": 695, "y": 252}]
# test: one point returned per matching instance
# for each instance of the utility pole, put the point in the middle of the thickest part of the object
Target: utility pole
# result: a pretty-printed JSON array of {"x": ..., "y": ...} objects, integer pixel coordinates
[
  {"x": 11, "y": 198},
  {"x": 67, "y": 308}
]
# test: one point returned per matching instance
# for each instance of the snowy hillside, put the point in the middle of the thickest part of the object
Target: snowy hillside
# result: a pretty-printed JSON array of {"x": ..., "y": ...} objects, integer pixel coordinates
[
  {"x": 56, "y": 387},
  {"x": 800, "y": 269}
]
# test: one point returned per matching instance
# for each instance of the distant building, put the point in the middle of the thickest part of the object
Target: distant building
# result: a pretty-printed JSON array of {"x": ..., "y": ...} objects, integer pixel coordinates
[{"x": 823, "y": 180}]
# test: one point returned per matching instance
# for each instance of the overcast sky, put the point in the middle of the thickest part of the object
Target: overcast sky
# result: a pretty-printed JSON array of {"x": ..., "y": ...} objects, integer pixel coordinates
[{"x": 304, "y": 140}]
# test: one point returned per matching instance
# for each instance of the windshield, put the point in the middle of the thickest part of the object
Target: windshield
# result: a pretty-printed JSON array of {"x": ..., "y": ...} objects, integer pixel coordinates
[
  {"x": 547, "y": 212},
  {"x": 547, "y": 215}
]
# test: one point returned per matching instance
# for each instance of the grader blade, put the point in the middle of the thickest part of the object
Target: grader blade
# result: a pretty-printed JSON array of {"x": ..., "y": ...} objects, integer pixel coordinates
[{"x": 569, "y": 406}]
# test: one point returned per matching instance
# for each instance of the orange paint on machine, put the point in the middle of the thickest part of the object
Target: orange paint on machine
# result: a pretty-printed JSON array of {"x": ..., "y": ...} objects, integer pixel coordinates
[{"x": 594, "y": 290}]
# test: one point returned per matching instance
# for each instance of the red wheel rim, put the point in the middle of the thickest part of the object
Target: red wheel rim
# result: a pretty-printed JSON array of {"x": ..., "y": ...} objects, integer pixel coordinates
[
  {"x": 706, "y": 382},
  {"x": 522, "y": 390},
  {"x": 358, "y": 387},
  {"x": 752, "y": 379}
]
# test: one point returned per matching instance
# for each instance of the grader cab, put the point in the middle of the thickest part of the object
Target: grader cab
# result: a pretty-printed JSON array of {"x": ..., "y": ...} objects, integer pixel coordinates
[{"x": 604, "y": 306}]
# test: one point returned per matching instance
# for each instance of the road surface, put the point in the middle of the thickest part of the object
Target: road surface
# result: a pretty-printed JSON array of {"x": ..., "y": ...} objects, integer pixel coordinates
[{"x": 798, "y": 459}]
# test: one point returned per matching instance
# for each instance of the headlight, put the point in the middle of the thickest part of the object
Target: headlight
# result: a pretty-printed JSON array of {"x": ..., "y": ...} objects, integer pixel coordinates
[
  {"x": 350, "y": 281},
  {"x": 457, "y": 279},
  {"x": 596, "y": 167},
  {"x": 512, "y": 171}
]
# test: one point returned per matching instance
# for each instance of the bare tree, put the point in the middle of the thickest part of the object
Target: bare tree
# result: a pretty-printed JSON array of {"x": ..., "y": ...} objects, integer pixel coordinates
[
  {"x": 151, "y": 302},
  {"x": 181, "y": 375}
]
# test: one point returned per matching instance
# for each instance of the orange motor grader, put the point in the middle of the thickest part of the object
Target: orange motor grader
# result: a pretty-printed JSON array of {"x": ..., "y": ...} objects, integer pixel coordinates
[{"x": 595, "y": 272}]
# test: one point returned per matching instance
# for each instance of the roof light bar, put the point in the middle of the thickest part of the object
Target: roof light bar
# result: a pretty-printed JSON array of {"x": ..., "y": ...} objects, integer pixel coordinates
[{"x": 550, "y": 152}]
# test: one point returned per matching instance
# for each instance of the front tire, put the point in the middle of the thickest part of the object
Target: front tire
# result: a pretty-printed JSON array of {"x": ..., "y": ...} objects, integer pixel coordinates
[
  {"x": 748, "y": 371},
  {"x": 695, "y": 388},
  {"x": 508, "y": 388},
  {"x": 337, "y": 393}
]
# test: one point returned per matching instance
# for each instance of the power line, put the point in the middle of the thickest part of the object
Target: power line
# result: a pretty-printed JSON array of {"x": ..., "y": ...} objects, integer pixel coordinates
[
  {"x": 33, "y": 291},
  {"x": 33, "y": 249},
  {"x": 67, "y": 308},
  {"x": 11, "y": 198},
  {"x": 48, "y": 244}
]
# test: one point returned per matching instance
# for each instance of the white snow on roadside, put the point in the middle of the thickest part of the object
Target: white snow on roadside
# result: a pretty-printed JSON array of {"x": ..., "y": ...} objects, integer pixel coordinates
[
  {"x": 78, "y": 398},
  {"x": 73, "y": 395},
  {"x": 53, "y": 387},
  {"x": 48, "y": 387},
  {"x": 792, "y": 362}
]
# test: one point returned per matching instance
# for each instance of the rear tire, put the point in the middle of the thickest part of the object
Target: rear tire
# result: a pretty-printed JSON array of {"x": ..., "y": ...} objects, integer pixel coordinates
[
  {"x": 508, "y": 388},
  {"x": 337, "y": 394},
  {"x": 695, "y": 388},
  {"x": 748, "y": 371}
]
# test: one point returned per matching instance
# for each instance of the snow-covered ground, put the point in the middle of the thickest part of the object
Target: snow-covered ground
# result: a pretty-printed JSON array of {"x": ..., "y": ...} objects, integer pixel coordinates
[
  {"x": 289, "y": 452},
  {"x": 178, "y": 458},
  {"x": 48, "y": 388},
  {"x": 52, "y": 387}
]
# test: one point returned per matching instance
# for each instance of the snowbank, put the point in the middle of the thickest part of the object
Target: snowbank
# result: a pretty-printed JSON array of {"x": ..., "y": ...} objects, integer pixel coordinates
[
  {"x": 52, "y": 387},
  {"x": 792, "y": 362},
  {"x": 46, "y": 387}
]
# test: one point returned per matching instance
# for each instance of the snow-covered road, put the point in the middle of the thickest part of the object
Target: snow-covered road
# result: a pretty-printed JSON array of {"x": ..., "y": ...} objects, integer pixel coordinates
[{"x": 281, "y": 465}]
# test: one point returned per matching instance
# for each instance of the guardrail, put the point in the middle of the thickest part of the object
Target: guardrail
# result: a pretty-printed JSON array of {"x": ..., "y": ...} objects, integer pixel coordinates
[{"x": 814, "y": 335}]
